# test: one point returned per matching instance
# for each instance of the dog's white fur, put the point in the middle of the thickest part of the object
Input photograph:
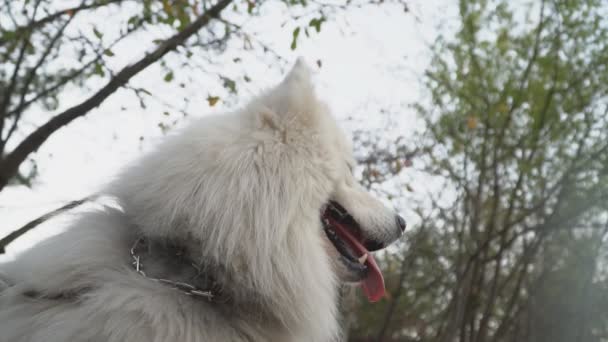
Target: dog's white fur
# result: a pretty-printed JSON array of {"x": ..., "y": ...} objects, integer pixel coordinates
[{"x": 243, "y": 192}]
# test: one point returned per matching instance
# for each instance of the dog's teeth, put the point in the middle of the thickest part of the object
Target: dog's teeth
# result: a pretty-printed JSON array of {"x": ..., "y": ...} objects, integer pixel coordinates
[{"x": 363, "y": 258}]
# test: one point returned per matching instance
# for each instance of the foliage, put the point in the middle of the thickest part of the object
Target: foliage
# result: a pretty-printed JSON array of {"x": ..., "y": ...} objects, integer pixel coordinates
[
  {"x": 516, "y": 141},
  {"x": 50, "y": 50}
]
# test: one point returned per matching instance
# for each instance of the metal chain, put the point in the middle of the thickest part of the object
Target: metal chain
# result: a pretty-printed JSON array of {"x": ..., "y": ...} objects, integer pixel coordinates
[{"x": 185, "y": 288}]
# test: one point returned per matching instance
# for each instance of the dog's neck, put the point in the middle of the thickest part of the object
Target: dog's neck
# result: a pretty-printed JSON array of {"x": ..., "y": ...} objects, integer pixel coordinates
[
  {"x": 169, "y": 263},
  {"x": 173, "y": 260},
  {"x": 176, "y": 265}
]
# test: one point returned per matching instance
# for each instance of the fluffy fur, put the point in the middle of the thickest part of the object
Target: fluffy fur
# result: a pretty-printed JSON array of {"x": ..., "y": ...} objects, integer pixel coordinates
[{"x": 243, "y": 193}]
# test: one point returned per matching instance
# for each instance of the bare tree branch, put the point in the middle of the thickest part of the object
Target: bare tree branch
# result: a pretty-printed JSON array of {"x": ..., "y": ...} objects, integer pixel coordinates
[
  {"x": 28, "y": 80},
  {"x": 10, "y": 165},
  {"x": 17, "y": 112},
  {"x": 35, "y": 24},
  {"x": 8, "y": 92},
  {"x": 33, "y": 224},
  {"x": 406, "y": 263}
]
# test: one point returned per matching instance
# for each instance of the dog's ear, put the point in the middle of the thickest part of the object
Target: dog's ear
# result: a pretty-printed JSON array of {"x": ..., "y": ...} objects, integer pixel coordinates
[
  {"x": 293, "y": 101},
  {"x": 299, "y": 78}
]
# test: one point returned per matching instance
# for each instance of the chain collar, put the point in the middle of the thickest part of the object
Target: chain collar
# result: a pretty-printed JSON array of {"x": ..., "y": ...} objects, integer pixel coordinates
[{"x": 185, "y": 288}]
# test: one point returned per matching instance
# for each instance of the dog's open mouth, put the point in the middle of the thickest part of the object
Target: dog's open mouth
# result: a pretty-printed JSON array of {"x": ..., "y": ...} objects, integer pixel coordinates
[{"x": 345, "y": 234}]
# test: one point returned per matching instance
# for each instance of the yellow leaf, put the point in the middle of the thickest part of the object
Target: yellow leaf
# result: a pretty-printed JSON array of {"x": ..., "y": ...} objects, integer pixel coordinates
[
  {"x": 167, "y": 7},
  {"x": 212, "y": 100},
  {"x": 398, "y": 166},
  {"x": 502, "y": 108},
  {"x": 472, "y": 122}
]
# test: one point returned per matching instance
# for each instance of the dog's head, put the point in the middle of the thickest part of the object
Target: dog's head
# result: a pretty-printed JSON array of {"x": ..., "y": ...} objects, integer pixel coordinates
[
  {"x": 266, "y": 195},
  {"x": 354, "y": 222}
]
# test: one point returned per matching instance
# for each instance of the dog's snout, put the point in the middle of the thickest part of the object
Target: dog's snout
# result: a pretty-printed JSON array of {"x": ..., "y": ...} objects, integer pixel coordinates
[{"x": 401, "y": 223}]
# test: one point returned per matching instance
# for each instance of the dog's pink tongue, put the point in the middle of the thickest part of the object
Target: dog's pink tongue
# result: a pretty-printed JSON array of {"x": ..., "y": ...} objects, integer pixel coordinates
[{"x": 373, "y": 284}]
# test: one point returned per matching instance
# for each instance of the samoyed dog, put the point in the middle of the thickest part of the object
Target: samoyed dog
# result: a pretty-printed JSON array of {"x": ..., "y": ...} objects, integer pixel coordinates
[{"x": 242, "y": 227}]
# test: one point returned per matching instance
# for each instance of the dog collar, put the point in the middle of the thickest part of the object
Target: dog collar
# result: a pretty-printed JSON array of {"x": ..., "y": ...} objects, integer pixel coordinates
[{"x": 210, "y": 293}]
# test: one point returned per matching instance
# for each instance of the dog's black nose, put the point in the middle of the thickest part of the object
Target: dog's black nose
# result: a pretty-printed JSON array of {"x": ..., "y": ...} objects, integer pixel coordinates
[{"x": 401, "y": 223}]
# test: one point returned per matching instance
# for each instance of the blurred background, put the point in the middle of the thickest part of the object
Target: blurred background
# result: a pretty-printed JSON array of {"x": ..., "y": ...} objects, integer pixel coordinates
[{"x": 484, "y": 122}]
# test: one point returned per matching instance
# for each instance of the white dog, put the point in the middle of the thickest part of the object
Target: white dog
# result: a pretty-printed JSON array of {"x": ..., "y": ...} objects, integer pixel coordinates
[{"x": 240, "y": 228}]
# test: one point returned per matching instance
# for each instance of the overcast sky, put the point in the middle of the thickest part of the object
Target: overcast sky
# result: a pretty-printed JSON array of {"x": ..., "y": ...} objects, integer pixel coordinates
[{"x": 371, "y": 58}]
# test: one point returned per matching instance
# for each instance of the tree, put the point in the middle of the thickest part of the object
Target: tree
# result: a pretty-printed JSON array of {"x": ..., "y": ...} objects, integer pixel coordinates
[
  {"x": 47, "y": 50},
  {"x": 30, "y": 76},
  {"x": 516, "y": 143}
]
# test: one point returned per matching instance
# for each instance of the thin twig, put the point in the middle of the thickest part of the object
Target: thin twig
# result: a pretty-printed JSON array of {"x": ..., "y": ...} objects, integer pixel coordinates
[{"x": 33, "y": 224}]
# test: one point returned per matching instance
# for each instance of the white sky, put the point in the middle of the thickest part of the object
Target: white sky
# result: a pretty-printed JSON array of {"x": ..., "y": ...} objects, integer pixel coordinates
[{"x": 372, "y": 59}]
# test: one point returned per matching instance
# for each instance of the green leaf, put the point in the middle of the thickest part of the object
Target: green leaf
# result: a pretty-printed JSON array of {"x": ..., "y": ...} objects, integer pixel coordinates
[
  {"x": 108, "y": 53},
  {"x": 98, "y": 70},
  {"x": 169, "y": 76},
  {"x": 502, "y": 41},
  {"x": 294, "y": 41},
  {"x": 229, "y": 84},
  {"x": 184, "y": 18},
  {"x": 132, "y": 20},
  {"x": 97, "y": 33},
  {"x": 316, "y": 23}
]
